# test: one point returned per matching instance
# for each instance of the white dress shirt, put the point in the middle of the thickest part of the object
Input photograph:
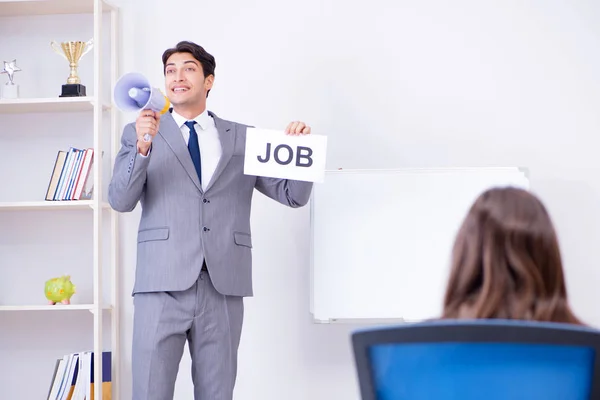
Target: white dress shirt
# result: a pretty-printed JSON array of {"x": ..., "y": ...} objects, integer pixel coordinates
[{"x": 208, "y": 139}]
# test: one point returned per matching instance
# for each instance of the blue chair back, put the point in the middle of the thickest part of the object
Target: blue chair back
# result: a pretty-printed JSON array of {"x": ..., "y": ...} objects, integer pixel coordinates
[{"x": 478, "y": 359}]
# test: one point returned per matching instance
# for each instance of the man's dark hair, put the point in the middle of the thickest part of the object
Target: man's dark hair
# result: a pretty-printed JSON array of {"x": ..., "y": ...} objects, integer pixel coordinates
[{"x": 206, "y": 60}]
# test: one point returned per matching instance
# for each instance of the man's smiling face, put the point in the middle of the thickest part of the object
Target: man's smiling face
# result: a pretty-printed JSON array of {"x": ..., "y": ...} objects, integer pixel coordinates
[{"x": 185, "y": 82}]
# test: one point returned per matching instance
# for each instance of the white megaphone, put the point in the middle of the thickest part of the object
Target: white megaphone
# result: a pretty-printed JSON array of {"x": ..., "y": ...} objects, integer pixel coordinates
[{"x": 133, "y": 93}]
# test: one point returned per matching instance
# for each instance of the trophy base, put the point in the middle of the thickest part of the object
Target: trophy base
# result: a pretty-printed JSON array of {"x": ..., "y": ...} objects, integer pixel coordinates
[
  {"x": 10, "y": 92},
  {"x": 73, "y": 90}
]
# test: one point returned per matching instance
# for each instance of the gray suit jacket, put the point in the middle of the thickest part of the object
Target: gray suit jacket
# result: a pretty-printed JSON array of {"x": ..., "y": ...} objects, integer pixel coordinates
[{"x": 181, "y": 225}]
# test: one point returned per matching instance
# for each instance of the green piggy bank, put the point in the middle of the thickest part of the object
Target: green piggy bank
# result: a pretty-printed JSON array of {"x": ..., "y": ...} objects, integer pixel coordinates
[{"x": 59, "y": 290}]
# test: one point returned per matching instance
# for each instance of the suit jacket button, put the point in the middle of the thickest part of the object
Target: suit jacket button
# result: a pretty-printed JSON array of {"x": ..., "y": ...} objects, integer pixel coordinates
[
  {"x": 204, "y": 200},
  {"x": 206, "y": 229}
]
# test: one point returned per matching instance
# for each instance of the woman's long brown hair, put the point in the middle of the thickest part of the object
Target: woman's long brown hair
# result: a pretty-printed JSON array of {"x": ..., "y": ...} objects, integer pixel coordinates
[{"x": 506, "y": 262}]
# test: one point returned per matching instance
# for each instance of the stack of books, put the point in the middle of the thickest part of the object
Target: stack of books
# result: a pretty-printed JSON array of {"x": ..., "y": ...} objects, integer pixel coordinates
[
  {"x": 70, "y": 179},
  {"x": 73, "y": 377}
]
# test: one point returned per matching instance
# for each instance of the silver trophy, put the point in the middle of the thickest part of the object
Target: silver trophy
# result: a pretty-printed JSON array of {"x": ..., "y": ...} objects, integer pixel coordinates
[{"x": 10, "y": 90}]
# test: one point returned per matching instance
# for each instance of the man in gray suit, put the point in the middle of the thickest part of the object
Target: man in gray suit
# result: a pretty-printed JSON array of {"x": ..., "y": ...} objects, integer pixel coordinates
[{"x": 194, "y": 242}]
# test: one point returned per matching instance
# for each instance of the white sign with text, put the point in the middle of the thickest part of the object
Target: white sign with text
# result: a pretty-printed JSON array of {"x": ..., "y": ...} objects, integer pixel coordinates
[{"x": 275, "y": 154}]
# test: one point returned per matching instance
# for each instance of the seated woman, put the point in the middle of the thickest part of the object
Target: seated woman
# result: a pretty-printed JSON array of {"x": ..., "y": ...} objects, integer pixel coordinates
[{"x": 506, "y": 262}]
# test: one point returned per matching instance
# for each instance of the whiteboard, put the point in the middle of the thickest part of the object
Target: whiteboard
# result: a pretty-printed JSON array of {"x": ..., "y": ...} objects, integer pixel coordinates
[{"x": 381, "y": 240}]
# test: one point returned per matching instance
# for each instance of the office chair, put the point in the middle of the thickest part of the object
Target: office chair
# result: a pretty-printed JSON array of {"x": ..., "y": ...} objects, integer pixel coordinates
[{"x": 478, "y": 359}]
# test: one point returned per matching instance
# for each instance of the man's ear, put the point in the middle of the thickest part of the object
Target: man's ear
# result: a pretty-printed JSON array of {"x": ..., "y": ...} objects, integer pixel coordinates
[{"x": 208, "y": 82}]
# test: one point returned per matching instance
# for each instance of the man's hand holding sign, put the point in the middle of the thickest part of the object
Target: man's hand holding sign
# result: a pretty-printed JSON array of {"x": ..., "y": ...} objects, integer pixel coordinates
[{"x": 289, "y": 154}]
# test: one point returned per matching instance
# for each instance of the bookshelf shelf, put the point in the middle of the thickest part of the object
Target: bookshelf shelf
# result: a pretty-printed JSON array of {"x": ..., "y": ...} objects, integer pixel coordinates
[
  {"x": 11, "y": 8},
  {"x": 51, "y": 205},
  {"x": 57, "y": 308},
  {"x": 58, "y": 104}
]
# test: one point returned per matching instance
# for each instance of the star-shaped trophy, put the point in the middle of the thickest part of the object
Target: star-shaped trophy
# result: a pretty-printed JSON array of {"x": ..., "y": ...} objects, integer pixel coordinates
[{"x": 10, "y": 90}]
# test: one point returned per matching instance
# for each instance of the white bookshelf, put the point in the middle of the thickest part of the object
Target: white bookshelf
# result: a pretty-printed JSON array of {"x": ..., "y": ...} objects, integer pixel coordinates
[
  {"x": 44, "y": 105},
  {"x": 103, "y": 119},
  {"x": 51, "y": 205},
  {"x": 13, "y": 8},
  {"x": 41, "y": 307}
]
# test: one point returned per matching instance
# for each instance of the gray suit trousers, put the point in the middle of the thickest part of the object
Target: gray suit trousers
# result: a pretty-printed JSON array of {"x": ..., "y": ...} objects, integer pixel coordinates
[{"x": 210, "y": 321}]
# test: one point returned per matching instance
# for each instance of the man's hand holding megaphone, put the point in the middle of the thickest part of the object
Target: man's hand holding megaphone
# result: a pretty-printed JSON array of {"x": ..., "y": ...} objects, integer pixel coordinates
[
  {"x": 146, "y": 123},
  {"x": 133, "y": 92}
]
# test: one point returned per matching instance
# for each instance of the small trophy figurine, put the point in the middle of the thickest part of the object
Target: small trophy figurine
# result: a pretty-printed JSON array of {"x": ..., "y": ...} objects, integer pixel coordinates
[
  {"x": 10, "y": 90},
  {"x": 72, "y": 52}
]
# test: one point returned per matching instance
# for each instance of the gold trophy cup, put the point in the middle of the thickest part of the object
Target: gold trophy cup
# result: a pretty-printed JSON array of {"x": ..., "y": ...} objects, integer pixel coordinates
[{"x": 72, "y": 52}]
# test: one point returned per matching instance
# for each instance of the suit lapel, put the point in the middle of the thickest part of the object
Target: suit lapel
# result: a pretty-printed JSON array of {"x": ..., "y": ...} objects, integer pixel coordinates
[
  {"x": 169, "y": 130},
  {"x": 227, "y": 138}
]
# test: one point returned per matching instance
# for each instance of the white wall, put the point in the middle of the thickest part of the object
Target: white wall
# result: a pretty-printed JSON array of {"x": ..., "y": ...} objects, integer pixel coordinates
[{"x": 393, "y": 84}]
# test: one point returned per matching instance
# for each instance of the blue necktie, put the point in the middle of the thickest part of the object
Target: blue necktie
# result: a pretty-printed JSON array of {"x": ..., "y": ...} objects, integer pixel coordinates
[{"x": 194, "y": 148}]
